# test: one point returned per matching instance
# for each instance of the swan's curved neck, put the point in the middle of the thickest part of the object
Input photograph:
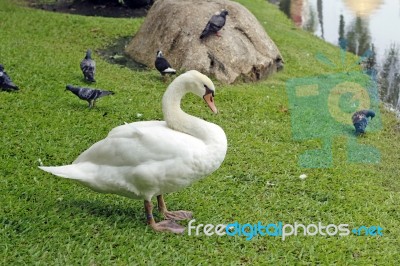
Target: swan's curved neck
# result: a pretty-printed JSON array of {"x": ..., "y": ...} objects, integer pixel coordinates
[{"x": 177, "y": 119}]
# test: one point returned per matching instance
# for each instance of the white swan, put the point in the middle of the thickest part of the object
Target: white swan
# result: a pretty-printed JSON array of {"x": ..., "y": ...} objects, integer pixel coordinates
[{"x": 145, "y": 159}]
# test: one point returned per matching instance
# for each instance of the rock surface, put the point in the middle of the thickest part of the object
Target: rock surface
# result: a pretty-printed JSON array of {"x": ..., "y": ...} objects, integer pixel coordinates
[{"x": 244, "y": 51}]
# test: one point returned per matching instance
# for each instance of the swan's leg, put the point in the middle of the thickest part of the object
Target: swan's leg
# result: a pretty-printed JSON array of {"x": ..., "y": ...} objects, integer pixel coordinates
[
  {"x": 166, "y": 225},
  {"x": 172, "y": 215}
]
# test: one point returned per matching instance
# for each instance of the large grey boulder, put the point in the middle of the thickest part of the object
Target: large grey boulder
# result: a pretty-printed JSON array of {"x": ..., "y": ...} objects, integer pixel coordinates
[{"x": 244, "y": 51}]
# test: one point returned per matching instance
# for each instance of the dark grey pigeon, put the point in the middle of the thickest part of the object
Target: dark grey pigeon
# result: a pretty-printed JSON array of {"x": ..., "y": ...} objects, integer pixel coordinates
[
  {"x": 215, "y": 24},
  {"x": 88, "y": 67},
  {"x": 87, "y": 94},
  {"x": 162, "y": 65},
  {"x": 6, "y": 82},
  {"x": 360, "y": 120}
]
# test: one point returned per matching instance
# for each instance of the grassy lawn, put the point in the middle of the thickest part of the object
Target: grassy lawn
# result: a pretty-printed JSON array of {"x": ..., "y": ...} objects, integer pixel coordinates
[{"x": 49, "y": 220}]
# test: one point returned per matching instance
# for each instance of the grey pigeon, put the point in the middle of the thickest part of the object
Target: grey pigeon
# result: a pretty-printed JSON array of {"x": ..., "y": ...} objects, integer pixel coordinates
[
  {"x": 360, "y": 120},
  {"x": 162, "y": 65},
  {"x": 87, "y": 94},
  {"x": 5, "y": 81},
  {"x": 215, "y": 24},
  {"x": 88, "y": 67}
]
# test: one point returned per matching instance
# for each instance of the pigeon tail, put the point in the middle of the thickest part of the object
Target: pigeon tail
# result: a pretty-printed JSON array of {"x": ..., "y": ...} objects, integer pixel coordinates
[
  {"x": 13, "y": 87},
  {"x": 105, "y": 93},
  {"x": 9, "y": 87},
  {"x": 206, "y": 32},
  {"x": 169, "y": 71}
]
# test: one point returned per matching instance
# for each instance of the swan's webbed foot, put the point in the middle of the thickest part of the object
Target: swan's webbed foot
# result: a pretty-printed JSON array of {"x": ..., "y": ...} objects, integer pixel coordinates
[
  {"x": 163, "y": 226},
  {"x": 168, "y": 226},
  {"x": 172, "y": 215}
]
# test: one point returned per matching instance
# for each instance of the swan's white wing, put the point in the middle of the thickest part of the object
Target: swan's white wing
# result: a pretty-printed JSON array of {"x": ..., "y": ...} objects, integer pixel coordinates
[
  {"x": 141, "y": 143},
  {"x": 126, "y": 131}
]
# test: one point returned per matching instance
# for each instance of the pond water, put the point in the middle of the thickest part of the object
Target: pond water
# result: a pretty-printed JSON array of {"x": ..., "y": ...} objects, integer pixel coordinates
[{"x": 359, "y": 26}]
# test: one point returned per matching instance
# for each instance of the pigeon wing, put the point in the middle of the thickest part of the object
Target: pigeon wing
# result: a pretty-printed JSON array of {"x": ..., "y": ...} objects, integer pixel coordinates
[
  {"x": 86, "y": 94},
  {"x": 217, "y": 22},
  {"x": 163, "y": 66},
  {"x": 357, "y": 117},
  {"x": 213, "y": 26}
]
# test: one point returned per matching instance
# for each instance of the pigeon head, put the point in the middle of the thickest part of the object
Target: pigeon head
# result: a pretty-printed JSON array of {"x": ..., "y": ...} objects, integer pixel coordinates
[
  {"x": 68, "y": 87},
  {"x": 224, "y": 13},
  {"x": 88, "y": 54},
  {"x": 159, "y": 54},
  {"x": 370, "y": 113}
]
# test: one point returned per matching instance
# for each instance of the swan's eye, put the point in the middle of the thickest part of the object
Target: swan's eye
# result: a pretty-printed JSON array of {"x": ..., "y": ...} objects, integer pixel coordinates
[{"x": 208, "y": 91}]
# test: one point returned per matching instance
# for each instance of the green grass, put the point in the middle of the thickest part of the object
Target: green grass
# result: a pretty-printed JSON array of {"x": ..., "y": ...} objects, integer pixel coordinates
[{"x": 48, "y": 220}]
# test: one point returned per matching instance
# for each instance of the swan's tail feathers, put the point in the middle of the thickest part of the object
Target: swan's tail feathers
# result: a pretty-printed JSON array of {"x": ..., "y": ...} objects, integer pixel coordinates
[{"x": 66, "y": 171}]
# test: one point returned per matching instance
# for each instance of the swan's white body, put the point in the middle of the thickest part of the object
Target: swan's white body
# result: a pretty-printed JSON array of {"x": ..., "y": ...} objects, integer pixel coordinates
[{"x": 145, "y": 159}]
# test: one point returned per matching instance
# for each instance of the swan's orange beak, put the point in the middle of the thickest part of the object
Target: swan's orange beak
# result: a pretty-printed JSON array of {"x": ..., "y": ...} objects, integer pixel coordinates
[{"x": 209, "y": 98}]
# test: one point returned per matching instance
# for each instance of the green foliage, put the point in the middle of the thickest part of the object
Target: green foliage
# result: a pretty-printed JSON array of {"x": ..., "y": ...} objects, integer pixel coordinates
[{"x": 48, "y": 220}]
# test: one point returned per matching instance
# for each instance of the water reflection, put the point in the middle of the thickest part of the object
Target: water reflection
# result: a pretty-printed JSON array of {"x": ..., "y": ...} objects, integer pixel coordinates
[
  {"x": 310, "y": 24},
  {"x": 358, "y": 36},
  {"x": 390, "y": 78},
  {"x": 363, "y": 8},
  {"x": 320, "y": 17},
  {"x": 367, "y": 28}
]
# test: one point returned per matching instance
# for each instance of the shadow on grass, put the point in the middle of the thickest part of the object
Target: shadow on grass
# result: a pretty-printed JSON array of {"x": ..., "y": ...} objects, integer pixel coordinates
[
  {"x": 107, "y": 212},
  {"x": 84, "y": 106}
]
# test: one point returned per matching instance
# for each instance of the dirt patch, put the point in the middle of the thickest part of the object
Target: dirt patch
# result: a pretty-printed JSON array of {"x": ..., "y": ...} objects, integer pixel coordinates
[
  {"x": 115, "y": 54},
  {"x": 88, "y": 8}
]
